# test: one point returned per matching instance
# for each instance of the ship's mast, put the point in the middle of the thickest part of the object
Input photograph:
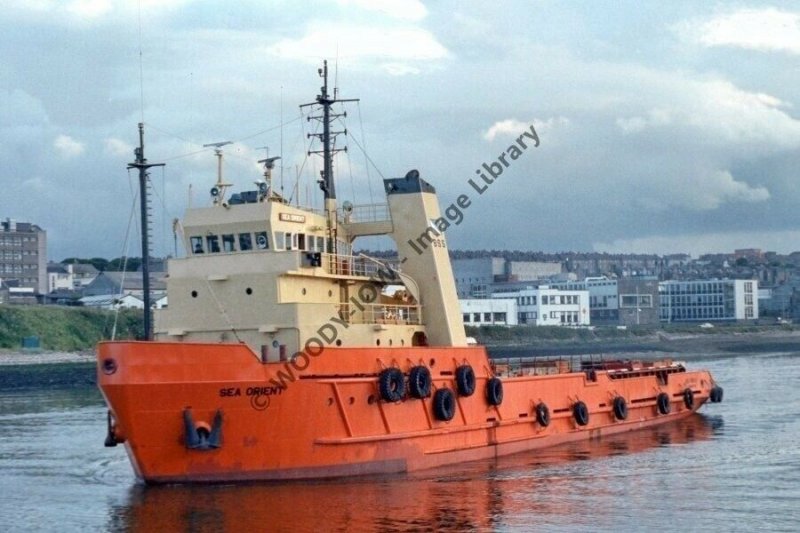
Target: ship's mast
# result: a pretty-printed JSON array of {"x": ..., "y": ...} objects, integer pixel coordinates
[
  {"x": 142, "y": 164},
  {"x": 328, "y": 139}
]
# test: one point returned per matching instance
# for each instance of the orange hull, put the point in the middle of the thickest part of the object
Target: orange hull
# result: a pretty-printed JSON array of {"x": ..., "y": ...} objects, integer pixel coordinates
[{"x": 327, "y": 420}]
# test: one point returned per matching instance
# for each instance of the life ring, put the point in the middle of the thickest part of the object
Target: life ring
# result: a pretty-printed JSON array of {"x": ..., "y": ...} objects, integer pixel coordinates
[
  {"x": 716, "y": 394},
  {"x": 542, "y": 414},
  {"x": 620, "y": 408},
  {"x": 444, "y": 404},
  {"x": 662, "y": 401},
  {"x": 419, "y": 382},
  {"x": 688, "y": 398},
  {"x": 494, "y": 391},
  {"x": 391, "y": 384},
  {"x": 465, "y": 380},
  {"x": 581, "y": 413}
]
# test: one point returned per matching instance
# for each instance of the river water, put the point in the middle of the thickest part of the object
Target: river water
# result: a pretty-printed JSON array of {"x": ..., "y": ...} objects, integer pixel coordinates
[{"x": 735, "y": 467}]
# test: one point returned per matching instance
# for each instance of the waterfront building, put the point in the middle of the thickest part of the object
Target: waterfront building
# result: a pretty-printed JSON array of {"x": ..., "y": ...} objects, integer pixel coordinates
[
  {"x": 547, "y": 306},
  {"x": 489, "y": 312},
  {"x": 708, "y": 300},
  {"x": 23, "y": 255},
  {"x": 603, "y": 297}
]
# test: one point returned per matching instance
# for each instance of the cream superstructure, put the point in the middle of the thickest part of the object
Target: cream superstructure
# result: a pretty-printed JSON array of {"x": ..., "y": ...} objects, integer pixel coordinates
[{"x": 263, "y": 272}]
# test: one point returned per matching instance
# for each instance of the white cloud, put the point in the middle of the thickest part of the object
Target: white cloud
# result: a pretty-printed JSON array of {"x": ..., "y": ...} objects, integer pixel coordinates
[
  {"x": 718, "y": 110},
  {"x": 713, "y": 189},
  {"x": 118, "y": 148},
  {"x": 757, "y": 29},
  {"x": 399, "y": 9},
  {"x": 513, "y": 128},
  {"x": 67, "y": 146},
  {"x": 654, "y": 118},
  {"x": 505, "y": 128},
  {"x": 89, "y": 8},
  {"x": 361, "y": 42}
]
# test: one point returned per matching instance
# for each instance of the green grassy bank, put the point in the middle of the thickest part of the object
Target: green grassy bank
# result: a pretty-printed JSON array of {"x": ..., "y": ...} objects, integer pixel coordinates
[{"x": 68, "y": 329}]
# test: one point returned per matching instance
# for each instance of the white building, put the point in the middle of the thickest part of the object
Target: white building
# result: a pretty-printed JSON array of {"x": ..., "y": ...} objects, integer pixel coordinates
[
  {"x": 708, "y": 300},
  {"x": 489, "y": 312},
  {"x": 547, "y": 306},
  {"x": 603, "y": 296}
]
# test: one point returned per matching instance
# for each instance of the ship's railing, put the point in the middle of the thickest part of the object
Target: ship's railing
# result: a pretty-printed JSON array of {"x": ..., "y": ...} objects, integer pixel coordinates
[
  {"x": 365, "y": 213},
  {"x": 352, "y": 265},
  {"x": 363, "y": 313},
  {"x": 560, "y": 364}
]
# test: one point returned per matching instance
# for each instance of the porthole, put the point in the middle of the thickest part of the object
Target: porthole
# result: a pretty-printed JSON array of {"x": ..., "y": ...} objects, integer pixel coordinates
[
  {"x": 432, "y": 363},
  {"x": 248, "y": 291},
  {"x": 338, "y": 342},
  {"x": 390, "y": 342},
  {"x": 351, "y": 400},
  {"x": 378, "y": 342},
  {"x": 303, "y": 291},
  {"x": 371, "y": 399},
  {"x": 330, "y": 293},
  {"x": 330, "y": 402},
  {"x": 194, "y": 294}
]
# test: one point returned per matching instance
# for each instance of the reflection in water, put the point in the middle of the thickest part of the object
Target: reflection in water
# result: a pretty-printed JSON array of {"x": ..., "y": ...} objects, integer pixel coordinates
[{"x": 476, "y": 496}]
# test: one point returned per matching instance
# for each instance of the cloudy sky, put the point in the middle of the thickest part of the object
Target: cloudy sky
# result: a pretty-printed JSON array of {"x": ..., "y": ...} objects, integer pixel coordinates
[{"x": 664, "y": 126}]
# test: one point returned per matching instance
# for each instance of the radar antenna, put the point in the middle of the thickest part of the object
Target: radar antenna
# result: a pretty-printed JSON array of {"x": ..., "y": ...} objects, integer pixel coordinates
[
  {"x": 269, "y": 164},
  {"x": 218, "y": 190}
]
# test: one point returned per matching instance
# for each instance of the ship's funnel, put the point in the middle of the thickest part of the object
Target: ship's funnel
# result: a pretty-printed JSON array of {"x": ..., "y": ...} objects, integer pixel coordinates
[{"x": 422, "y": 251}]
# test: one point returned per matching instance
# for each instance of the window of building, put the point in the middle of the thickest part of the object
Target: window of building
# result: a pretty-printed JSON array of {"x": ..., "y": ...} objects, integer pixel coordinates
[
  {"x": 487, "y": 317},
  {"x": 499, "y": 317},
  {"x": 245, "y": 242},
  {"x": 228, "y": 243},
  {"x": 476, "y": 317},
  {"x": 466, "y": 317}
]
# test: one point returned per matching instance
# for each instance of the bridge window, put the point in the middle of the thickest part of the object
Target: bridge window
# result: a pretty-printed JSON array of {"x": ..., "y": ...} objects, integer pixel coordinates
[
  {"x": 262, "y": 241},
  {"x": 245, "y": 242},
  {"x": 228, "y": 243},
  {"x": 197, "y": 245},
  {"x": 301, "y": 241},
  {"x": 279, "y": 244},
  {"x": 212, "y": 243}
]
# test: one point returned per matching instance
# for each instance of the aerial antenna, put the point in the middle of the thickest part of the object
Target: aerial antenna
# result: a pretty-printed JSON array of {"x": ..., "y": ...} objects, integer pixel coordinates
[
  {"x": 328, "y": 140},
  {"x": 143, "y": 166},
  {"x": 218, "y": 190}
]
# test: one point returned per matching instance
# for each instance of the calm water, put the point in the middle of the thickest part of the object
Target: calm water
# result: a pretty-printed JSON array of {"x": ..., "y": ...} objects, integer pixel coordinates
[{"x": 736, "y": 467}]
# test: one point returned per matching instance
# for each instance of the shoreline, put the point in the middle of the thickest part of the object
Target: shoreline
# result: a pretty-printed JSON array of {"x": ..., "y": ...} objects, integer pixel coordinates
[{"x": 660, "y": 342}]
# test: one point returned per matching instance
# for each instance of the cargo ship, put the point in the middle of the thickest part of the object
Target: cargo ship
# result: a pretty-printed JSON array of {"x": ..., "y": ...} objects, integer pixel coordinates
[{"x": 283, "y": 354}]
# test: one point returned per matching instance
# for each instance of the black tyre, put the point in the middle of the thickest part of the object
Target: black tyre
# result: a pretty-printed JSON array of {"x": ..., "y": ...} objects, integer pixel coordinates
[
  {"x": 688, "y": 398},
  {"x": 620, "y": 408},
  {"x": 444, "y": 404},
  {"x": 543, "y": 414},
  {"x": 391, "y": 384},
  {"x": 494, "y": 391},
  {"x": 662, "y": 401},
  {"x": 419, "y": 382},
  {"x": 465, "y": 380},
  {"x": 716, "y": 394},
  {"x": 581, "y": 413}
]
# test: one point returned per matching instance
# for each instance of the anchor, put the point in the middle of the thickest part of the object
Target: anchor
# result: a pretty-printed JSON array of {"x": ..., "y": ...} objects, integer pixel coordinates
[{"x": 198, "y": 436}]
